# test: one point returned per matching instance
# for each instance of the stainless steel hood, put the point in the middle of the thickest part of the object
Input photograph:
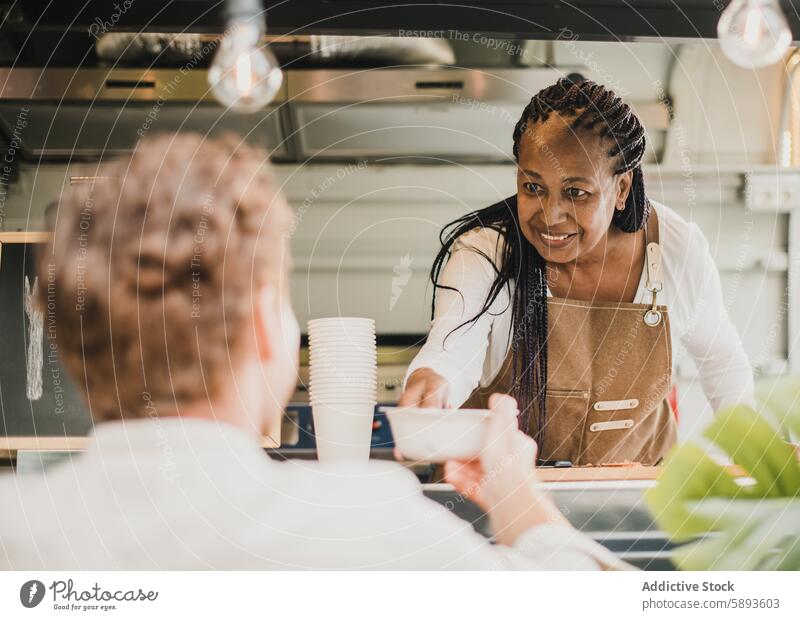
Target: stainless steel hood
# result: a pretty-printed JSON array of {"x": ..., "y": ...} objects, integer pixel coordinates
[
  {"x": 88, "y": 113},
  {"x": 439, "y": 115}
]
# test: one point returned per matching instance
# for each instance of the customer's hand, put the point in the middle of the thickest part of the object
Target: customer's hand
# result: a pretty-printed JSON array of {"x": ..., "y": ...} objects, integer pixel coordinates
[
  {"x": 425, "y": 388},
  {"x": 502, "y": 480}
]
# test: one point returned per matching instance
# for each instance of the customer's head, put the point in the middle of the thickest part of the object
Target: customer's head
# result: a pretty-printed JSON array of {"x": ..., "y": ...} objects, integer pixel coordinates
[{"x": 167, "y": 282}]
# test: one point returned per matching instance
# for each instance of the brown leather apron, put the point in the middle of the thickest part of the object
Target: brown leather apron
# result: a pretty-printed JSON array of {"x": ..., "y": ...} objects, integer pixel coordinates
[{"x": 609, "y": 373}]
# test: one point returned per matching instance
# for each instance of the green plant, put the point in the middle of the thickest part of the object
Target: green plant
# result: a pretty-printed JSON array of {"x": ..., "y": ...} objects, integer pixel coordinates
[{"x": 750, "y": 523}]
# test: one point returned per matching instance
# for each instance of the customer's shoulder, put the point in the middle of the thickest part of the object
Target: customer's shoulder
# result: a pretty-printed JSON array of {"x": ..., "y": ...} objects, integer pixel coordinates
[
  {"x": 32, "y": 503},
  {"x": 371, "y": 480}
]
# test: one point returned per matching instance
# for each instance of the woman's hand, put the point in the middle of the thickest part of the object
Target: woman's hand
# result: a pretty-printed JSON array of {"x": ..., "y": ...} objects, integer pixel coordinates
[
  {"x": 502, "y": 480},
  {"x": 425, "y": 388}
]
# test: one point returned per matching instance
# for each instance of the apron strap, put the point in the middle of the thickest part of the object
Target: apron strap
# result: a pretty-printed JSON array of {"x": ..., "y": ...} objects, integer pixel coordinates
[
  {"x": 653, "y": 282},
  {"x": 653, "y": 266}
]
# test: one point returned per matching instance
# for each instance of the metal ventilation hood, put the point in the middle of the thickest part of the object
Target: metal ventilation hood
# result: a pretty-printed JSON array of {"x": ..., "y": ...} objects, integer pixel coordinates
[
  {"x": 438, "y": 115},
  {"x": 88, "y": 113},
  {"x": 441, "y": 115}
]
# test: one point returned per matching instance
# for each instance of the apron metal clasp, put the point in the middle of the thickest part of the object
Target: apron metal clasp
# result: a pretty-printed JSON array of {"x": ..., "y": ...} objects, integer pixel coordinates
[{"x": 652, "y": 318}]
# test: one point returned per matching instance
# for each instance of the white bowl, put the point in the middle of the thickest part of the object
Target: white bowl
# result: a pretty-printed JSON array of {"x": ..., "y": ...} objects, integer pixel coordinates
[{"x": 438, "y": 435}]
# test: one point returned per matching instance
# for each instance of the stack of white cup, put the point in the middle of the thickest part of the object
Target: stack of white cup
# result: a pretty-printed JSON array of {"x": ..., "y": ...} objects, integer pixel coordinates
[{"x": 343, "y": 386}]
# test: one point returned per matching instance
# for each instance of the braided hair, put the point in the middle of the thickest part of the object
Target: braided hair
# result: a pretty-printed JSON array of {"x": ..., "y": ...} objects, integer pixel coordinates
[{"x": 591, "y": 107}]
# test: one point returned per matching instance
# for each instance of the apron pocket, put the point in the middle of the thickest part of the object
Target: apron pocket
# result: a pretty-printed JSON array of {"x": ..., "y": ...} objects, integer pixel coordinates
[
  {"x": 567, "y": 412},
  {"x": 613, "y": 432}
]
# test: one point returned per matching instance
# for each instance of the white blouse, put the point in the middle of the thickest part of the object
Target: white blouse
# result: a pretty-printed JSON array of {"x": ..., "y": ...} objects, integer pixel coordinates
[{"x": 474, "y": 353}]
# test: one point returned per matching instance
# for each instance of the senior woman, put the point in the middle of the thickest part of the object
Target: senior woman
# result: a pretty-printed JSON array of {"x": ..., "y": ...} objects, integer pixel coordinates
[{"x": 571, "y": 294}]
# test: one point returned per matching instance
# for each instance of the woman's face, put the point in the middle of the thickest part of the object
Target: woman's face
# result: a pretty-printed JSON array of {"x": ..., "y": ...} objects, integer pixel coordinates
[{"x": 566, "y": 190}]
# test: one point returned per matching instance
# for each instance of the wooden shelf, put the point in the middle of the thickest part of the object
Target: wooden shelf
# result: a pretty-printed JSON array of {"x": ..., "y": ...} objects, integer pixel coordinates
[{"x": 25, "y": 237}]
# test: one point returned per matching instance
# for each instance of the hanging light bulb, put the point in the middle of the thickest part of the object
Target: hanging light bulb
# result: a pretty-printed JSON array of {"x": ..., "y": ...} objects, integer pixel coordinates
[
  {"x": 244, "y": 76},
  {"x": 754, "y": 33}
]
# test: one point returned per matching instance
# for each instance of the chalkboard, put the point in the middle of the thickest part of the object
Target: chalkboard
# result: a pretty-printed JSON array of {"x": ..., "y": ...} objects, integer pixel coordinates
[{"x": 56, "y": 408}]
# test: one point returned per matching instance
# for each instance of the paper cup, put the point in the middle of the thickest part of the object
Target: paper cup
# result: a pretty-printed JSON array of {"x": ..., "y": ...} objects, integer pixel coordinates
[
  {"x": 364, "y": 373},
  {"x": 350, "y": 347},
  {"x": 347, "y": 399},
  {"x": 344, "y": 357},
  {"x": 341, "y": 386},
  {"x": 368, "y": 338},
  {"x": 343, "y": 431},
  {"x": 342, "y": 348},
  {"x": 341, "y": 320},
  {"x": 343, "y": 365},
  {"x": 343, "y": 328},
  {"x": 339, "y": 394},
  {"x": 346, "y": 350},
  {"x": 337, "y": 385}
]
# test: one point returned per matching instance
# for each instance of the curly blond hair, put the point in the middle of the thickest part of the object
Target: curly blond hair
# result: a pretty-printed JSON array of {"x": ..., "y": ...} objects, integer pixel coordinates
[{"x": 153, "y": 270}]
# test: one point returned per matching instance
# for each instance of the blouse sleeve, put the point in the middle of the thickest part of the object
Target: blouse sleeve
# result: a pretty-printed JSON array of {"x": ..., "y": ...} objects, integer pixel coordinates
[
  {"x": 711, "y": 338},
  {"x": 456, "y": 350}
]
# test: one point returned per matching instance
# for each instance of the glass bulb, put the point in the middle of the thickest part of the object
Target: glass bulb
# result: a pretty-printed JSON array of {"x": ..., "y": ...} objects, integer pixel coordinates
[
  {"x": 244, "y": 76},
  {"x": 754, "y": 33}
]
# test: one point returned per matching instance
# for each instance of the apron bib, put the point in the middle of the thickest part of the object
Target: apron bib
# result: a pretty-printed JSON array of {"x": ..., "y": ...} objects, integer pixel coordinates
[{"x": 609, "y": 374}]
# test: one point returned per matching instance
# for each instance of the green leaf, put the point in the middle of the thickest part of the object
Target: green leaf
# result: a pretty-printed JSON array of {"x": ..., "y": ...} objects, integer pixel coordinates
[
  {"x": 779, "y": 399},
  {"x": 754, "y": 444},
  {"x": 741, "y": 526},
  {"x": 689, "y": 474},
  {"x": 755, "y": 534}
]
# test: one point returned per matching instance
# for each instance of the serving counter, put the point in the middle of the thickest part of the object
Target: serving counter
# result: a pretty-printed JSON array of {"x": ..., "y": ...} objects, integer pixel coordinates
[{"x": 603, "y": 502}]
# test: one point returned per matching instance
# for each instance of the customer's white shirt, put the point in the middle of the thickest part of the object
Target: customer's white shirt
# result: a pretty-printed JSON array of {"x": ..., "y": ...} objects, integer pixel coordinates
[
  {"x": 192, "y": 494},
  {"x": 473, "y": 354}
]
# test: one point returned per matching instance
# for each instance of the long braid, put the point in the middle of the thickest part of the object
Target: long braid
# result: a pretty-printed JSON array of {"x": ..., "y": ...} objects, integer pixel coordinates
[{"x": 593, "y": 108}]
